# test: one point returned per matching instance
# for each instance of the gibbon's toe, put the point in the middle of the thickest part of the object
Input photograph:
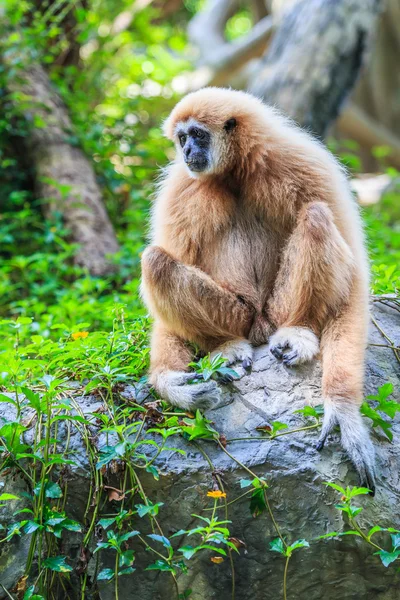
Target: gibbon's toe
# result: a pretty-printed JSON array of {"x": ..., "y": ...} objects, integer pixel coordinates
[
  {"x": 300, "y": 342},
  {"x": 234, "y": 351}
]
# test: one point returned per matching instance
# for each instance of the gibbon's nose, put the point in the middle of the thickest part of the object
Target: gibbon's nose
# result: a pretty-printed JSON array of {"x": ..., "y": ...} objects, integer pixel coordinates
[{"x": 187, "y": 151}]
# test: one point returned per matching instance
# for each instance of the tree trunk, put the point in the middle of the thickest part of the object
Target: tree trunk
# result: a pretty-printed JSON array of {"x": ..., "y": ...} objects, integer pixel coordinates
[
  {"x": 315, "y": 57},
  {"x": 64, "y": 176}
]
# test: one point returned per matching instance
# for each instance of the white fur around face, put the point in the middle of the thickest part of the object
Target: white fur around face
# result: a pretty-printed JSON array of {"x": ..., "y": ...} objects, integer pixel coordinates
[
  {"x": 234, "y": 351},
  {"x": 295, "y": 345}
]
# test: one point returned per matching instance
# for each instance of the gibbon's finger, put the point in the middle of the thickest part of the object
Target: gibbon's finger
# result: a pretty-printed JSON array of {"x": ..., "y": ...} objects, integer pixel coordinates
[
  {"x": 225, "y": 379},
  {"x": 247, "y": 364},
  {"x": 354, "y": 437},
  {"x": 290, "y": 358},
  {"x": 277, "y": 351}
]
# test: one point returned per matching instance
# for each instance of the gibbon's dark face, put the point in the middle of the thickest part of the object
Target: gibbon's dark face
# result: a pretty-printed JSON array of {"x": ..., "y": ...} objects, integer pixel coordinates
[{"x": 195, "y": 142}]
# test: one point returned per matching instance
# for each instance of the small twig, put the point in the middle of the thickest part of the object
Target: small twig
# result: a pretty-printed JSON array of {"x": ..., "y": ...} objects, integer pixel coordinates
[{"x": 395, "y": 352}]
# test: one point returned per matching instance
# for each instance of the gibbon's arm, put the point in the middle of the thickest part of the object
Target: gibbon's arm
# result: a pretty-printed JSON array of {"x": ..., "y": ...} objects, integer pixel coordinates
[
  {"x": 189, "y": 302},
  {"x": 316, "y": 272},
  {"x": 318, "y": 289}
]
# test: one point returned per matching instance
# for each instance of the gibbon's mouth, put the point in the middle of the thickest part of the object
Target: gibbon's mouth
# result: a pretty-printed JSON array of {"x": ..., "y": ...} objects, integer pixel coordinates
[{"x": 197, "y": 165}]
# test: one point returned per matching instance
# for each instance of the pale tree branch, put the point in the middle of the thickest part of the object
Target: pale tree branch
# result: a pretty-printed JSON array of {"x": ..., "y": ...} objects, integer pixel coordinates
[
  {"x": 223, "y": 58},
  {"x": 354, "y": 123}
]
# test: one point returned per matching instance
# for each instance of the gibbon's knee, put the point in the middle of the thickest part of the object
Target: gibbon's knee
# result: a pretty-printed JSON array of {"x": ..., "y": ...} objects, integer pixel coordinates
[{"x": 317, "y": 219}]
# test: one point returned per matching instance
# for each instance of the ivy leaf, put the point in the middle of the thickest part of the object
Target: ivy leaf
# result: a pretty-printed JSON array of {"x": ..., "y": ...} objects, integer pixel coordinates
[
  {"x": 104, "y": 523},
  {"x": 51, "y": 490},
  {"x": 154, "y": 471},
  {"x": 388, "y": 557},
  {"x": 105, "y": 575},
  {"x": 395, "y": 540},
  {"x": 277, "y": 546},
  {"x": 126, "y": 571},
  {"x": 126, "y": 558},
  {"x": 149, "y": 509},
  {"x": 31, "y": 526},
  {"x": 297, "y": 544},
  {"x": 245, "y": 483},
  {"x": 57, "y": 563}
]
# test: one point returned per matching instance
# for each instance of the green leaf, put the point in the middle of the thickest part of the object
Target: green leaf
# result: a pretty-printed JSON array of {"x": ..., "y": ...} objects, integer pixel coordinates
[
  {"x": 335, "y": 487},
  {"x": 29, "y": 594},
  {"x": 159, "y": 565},
  {"x": 297, "y": 544},
  {"x": 52, "y": 489},
  {"x": 388, "y": 557},
  {"x": 395, "y": 540},
  {"x": 127, "y": 536},
  {"x": 377, "y": 420},
  {"x": 105, "y": 575},
  {"x": 127, "y": 571},
  {"x": 160, "y": 538},
  {"x": 32, "y": 526},
  {"x": 126, "y": 558},
  {"x": 337, "y": 534},
  {"x": 104, "y": 523},
  {"x": 6, "y": 496},
  {"x": 199, "y": 428},
  {"x": 57, "y": 563},
  {"x": 149, "y": 509},
  {"x": 188, "y": 551},
  {"x": 154, "y": 471},
  {"x": 277, "y": 546},
  {"x": 245, "y": 483},
  {"x": 257, "y": 502}
]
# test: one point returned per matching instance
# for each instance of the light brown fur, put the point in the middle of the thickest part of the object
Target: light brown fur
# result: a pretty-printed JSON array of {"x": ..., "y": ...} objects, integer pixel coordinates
[{"x": 269, "y": 239}]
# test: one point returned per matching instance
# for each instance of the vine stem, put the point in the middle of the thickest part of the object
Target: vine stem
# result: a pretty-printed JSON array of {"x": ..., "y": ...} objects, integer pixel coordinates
[
  {"x": 215, "y": 507},
  {"x": 362, "y": 534},
  {"x": 116, "y": 576},
  {"x": 272, "y": 437},
  {"x": 271, "y": 514},
  {"x": 285, "y": 578}
]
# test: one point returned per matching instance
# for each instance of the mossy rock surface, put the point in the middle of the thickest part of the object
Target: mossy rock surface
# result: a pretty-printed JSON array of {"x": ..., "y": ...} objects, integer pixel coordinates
[{"x": 304, "y": 508}]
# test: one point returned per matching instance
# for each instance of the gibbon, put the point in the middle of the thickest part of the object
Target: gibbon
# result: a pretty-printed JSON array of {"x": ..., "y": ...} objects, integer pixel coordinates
[{"x": 256, "y": 238}]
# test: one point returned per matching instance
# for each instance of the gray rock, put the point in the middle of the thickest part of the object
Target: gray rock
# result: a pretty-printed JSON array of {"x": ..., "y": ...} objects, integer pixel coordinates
[{"x": 304, "y": 508}]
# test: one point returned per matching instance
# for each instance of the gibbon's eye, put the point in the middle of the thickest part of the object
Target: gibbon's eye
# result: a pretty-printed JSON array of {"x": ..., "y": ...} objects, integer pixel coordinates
[
  {"x": 182, "y": 139},
  {"x": 198, "y": 133},
  {"x": 230, "y": 124}
]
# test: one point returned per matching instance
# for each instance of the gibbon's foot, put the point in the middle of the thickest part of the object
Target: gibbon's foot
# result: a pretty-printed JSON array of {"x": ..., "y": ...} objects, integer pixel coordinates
[
  {"x": 175, "y": 387},
  {"x": 294, "y": 345},
  {"x": 235, "y": 351},
  {"x": 355, "y": 438}
]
